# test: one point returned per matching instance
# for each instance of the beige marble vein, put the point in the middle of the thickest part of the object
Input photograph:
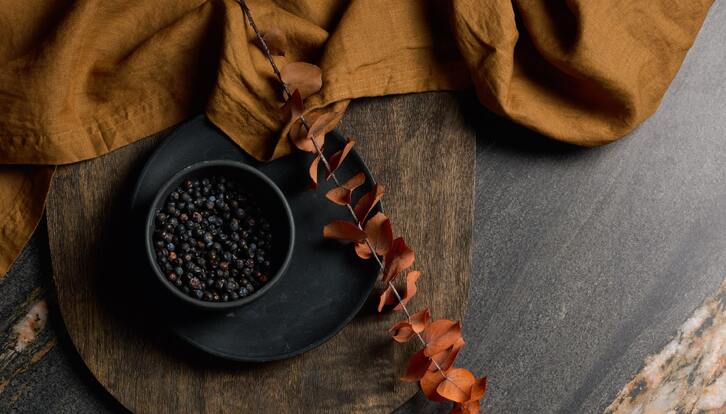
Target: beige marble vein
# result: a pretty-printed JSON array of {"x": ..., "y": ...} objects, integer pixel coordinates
[{"x": 689, "y": 374}]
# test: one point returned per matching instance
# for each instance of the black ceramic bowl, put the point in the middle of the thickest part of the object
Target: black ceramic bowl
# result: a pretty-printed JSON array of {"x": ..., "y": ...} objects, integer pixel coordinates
[{"x": 271, "y": 201}]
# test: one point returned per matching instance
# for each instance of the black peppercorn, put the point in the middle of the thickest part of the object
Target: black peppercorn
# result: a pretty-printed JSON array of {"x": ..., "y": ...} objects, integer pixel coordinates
[{"x": 212, "y": 240}]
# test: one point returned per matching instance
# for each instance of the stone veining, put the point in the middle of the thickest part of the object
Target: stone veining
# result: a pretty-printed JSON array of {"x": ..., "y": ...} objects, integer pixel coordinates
[
  {"x": 27, "y": 340},
  {"x": 689, "y": 374}
]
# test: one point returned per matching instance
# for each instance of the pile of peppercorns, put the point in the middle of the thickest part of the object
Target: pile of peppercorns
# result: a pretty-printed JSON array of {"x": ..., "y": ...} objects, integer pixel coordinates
[{"x": 212, "y": 240}]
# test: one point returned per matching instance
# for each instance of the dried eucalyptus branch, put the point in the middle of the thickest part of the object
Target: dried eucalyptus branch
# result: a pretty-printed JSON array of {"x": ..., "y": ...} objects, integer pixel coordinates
[
  {"x": 475, "y": 389},
  {"x": 324, "y": 159}
]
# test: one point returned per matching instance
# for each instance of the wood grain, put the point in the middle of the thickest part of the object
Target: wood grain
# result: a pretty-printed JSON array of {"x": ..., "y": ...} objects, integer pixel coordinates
[{"x": 418, "y": 146}]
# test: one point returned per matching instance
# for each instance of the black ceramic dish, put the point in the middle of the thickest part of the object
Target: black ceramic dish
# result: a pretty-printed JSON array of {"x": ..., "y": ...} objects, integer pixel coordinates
[
  {"x": 325, "y": 284},
  {"x": 269, "y": 197}
]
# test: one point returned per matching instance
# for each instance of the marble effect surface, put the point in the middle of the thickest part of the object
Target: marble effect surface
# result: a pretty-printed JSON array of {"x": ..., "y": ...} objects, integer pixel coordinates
[
  {"x": 689, "y": 374},
  {"x": 587, "y": 261}
]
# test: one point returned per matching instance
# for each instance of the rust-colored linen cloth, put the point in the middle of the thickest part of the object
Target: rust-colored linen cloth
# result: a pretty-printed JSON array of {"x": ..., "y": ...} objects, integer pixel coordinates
[{"x": 81, "y": 78}]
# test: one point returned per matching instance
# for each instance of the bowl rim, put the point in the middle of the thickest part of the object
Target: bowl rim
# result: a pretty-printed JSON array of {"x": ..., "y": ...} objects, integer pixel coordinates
[{"x": 149, "y": 225}]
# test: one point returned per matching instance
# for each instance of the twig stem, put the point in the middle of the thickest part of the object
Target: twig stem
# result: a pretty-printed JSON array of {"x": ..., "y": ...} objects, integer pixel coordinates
[{"x": 332, "y": 175}]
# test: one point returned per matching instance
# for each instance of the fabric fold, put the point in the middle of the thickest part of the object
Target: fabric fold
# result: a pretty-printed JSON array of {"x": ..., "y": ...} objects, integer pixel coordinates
[
  {"x": 23, "y": 191},
  {"x": 574, "y": 70},
  {"x": 79, "y": 79}
]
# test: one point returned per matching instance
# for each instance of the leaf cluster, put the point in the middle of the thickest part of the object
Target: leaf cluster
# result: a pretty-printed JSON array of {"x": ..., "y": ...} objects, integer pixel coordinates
[{"x": 372, "y": 237}]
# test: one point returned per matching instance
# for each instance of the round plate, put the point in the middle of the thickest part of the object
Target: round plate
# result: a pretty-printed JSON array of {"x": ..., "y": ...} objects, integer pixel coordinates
[{"x": 325, "y": 285}]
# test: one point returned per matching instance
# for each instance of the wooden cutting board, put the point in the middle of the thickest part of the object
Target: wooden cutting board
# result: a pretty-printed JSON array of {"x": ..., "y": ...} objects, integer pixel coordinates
[{"x": 418, "y": 146}]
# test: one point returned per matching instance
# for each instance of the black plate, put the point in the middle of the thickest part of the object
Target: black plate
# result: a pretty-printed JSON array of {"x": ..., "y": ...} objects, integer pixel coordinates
[{"x": 325, "y": 285}]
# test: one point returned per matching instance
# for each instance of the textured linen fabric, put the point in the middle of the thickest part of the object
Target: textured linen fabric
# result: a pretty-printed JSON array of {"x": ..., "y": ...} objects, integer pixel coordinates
[{"x": 81, "y": 78}]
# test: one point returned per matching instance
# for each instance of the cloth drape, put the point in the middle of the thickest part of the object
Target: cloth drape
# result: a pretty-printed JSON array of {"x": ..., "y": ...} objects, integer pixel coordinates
[{"x": 81, "y": 78}]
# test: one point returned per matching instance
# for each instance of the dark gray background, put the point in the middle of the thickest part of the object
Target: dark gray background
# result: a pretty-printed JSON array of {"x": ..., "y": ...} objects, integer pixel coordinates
[{"x": 585, "y": 260}]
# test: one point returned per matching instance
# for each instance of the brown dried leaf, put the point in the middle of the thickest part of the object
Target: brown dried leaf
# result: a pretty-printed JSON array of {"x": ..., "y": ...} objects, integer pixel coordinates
[
  {"x": 368, "y": 201},
  {"x": 299, "y": 137},
  {"x": 478, "y": 389},
  {"x": 355, "y": 181},
  {"x": 298, "y": 132},
  {"x": 441, "y": 335},
  {"x": 446, "y": 359},
  {"x": 420, "y": 320},
  {"x": 313, "y": 171},
  {"x": 275, "y": 40},
  {"x": 340, "y": 196},
  {"x": 402, "y": 331},
  {"x": 405, "y": 330},
  {"x": 399, "y": 258},
  {"x": 338, "y": 158},
  {"x": 293, "y": 107},
  {"x": 362, "y": 250},
  {"x": 429, "y": 382},
  {"x": 380, "y": 234},
  {"x": 305, "y": 77},
  {"x": 411, "y": 278},
  {"x": 343, "y": 195},
  {"x": 387, "y": 298},
  {"x": 417, "y": 367},
  {"x": 343, "y": 230},
  {"x": 458, "y": 386},
  {"x": 320, "y": 124}
]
